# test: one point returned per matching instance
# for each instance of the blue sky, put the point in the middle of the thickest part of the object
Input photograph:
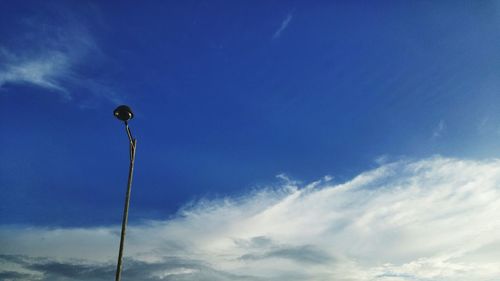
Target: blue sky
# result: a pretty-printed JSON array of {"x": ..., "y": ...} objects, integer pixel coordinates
[{"x": 242, "y": 103}]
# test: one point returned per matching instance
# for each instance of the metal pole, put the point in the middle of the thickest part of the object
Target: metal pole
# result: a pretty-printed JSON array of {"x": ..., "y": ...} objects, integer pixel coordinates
[{"x": 133, "y": 143}]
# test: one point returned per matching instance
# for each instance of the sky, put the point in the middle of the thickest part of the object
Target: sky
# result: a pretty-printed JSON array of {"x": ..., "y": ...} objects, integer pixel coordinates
[{"x": 276, "y": 140}]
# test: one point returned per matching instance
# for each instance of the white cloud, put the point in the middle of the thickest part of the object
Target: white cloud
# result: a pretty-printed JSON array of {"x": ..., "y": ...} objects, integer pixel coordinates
[
  {"x": 45, "y": 70},
  {"x": 46, "y": 53},
  {"x": 439, "y": 130},
  {"x": 283, "y": 26},
  {"x": 434, "y": 219}
]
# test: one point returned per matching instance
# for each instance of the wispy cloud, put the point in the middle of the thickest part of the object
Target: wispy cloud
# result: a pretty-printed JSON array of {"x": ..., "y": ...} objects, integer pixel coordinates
[
  {"x": 433, "y": 219},
  {"x": 283, "y": 26},
  {"x": 47, "y": 53},
  {"x": 45, "y": 70},
  {"x": 439, "y": 130}
]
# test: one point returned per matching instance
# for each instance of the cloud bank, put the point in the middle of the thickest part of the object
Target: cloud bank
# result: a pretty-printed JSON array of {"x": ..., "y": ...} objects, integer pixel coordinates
[{"x": 433, "y": 219}]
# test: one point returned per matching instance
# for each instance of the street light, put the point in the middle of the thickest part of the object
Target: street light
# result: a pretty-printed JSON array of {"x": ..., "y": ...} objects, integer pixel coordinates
[{"x": 124, "y": 113}]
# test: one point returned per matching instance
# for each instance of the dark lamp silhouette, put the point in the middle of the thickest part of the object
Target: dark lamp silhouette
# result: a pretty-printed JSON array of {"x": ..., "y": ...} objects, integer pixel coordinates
[{"x": 123, "y": 113}]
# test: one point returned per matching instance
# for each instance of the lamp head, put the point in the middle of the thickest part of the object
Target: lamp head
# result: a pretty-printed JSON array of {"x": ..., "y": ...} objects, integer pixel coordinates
[{"x": 123, "y": 113}]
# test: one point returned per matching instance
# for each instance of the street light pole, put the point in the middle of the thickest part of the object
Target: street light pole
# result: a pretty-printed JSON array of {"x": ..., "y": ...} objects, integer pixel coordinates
[{"x": 124, "y": 113}]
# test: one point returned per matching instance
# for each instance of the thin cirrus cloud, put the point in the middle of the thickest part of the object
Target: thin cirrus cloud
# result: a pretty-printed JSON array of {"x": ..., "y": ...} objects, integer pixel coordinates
[
  {"x": 439, "y": 130},
  {"x": 283, "y": 26},
  {"x": 432, "y": 219},
  {"x": 44, "y": 70},
  {"x": 52, "y": 57}
]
